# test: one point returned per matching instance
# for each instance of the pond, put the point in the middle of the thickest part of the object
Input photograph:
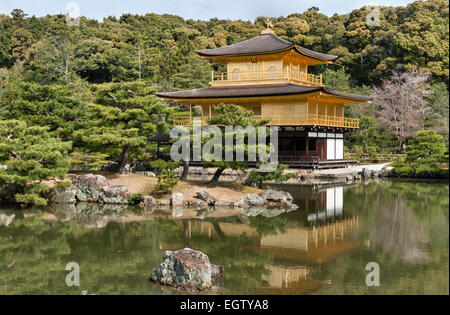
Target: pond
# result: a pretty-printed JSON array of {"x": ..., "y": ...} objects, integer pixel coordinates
[{"x": 322, "y": 248}]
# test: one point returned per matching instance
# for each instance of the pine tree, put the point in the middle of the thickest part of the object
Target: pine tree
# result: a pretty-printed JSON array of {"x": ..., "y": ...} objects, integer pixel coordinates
[
  {"x": 125, "y": 115},
  {"x": 31, "y": 155},
  {"x": 231, "y": 115},
  {"x": 53, "y": 106}
]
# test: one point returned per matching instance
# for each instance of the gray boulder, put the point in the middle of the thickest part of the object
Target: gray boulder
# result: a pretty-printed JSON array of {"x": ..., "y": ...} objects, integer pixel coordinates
[
  {"x": 186, "y": 269},
  {"x": 90, "y": 187},
  {"x": 150, "y": 202},
  {"x": 240, "y": 204},
  {"x": 114, "y": 195},
  {"x": 203, "y": 195},
  {"x": 65, "y": 196},
  {"x": 290, "y": 207},
  {"x": 276, "y": 196},
  {"x": 253, "y": 200},
  {"x": 177, "y": 200}
]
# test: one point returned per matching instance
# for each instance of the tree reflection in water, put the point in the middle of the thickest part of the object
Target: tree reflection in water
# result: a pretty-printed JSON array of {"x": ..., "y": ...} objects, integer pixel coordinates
[{"x": 399, "y": 234}]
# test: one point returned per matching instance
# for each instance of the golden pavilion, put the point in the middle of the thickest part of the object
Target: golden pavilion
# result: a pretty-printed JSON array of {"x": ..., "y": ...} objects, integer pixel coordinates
[{"x": 270, "y": 76}]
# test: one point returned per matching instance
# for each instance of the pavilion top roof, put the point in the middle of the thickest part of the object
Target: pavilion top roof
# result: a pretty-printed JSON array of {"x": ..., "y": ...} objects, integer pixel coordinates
[{"x": 263, "y": 44}]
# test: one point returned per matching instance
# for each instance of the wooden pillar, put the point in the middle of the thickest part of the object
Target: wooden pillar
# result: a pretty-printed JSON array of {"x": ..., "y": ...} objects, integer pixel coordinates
[
  {"x": 317, "y": 112},
  {"x": 307, "y": 145},
  {"x": 190, "y": 114},
  {"x": 210, "y": 110},
  {"x": 334, "y": 118}
]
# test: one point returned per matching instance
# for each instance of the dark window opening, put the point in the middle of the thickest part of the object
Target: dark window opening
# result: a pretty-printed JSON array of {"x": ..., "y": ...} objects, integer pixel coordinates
[
  {"x": 285, "y": 145},
  {"x": 300, "y": 144},
  {"x": 312, "y": 144}
]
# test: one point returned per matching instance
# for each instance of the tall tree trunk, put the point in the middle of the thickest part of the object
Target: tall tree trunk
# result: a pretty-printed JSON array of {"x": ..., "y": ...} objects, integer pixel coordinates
[
  {"x": 124, "y": 159},
  {"x": 185, "y": 173},
  {"x": 213, "y": 182}
]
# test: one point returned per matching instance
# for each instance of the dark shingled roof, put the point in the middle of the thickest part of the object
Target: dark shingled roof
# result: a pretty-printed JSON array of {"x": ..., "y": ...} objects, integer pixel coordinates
[
  {"x": 255, "y": 91},
  {"x": 264, "y": 43}
]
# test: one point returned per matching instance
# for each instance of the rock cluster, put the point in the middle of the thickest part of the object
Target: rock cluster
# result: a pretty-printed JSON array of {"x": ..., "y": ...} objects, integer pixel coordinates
[
  {"x": 269, "y": 203},
  {"x": 204, "y": 196},
  {"x": 186, "y": 269},
  {"x": 91, "y": 188}
]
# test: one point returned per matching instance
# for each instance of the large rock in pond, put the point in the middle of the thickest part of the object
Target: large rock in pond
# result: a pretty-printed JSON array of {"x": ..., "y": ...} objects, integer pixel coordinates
[
  {"x": 177, "y": 200},
  {"x": 203, "y": 195},
  {"x": 186, "y": 269},
  {"x": 114, "y": 195},
  {"x": 150, "y": 202},
  {"x": 90, "y": 187},
  {"x": 64, "y": 196},
  {"x": 276, "y": 196},
  {"x": 253, "y": 200},
  {"x": 290, "y": 207}
]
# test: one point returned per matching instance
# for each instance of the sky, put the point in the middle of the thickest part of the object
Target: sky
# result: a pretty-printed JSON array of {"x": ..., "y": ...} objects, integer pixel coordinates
[{"x": 189, "y": 9}]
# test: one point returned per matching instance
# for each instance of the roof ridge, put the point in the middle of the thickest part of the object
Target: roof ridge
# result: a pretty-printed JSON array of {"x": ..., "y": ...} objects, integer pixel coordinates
[{"x": 285, "y": 41}]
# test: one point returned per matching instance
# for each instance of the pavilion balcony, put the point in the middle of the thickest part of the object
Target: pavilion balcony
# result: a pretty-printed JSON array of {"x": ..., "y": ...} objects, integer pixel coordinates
[
  {"x": 265, "y": 77},
  {"x": 307, "y": 120}
]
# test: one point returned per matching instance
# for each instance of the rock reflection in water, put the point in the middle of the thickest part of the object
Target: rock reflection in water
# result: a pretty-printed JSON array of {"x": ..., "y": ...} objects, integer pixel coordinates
[{"x": 89, "y": 215}]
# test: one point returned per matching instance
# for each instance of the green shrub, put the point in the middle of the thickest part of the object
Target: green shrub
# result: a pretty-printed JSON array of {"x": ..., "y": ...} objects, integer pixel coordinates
[
  {"x": 166, "y": 176},
  {"x": 135, "y": 199},
  {"x": 423, "y": 154}
]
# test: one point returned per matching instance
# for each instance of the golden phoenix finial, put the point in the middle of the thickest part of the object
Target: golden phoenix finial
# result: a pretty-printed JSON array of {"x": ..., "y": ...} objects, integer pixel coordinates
[{"x": 269, "y": 25}]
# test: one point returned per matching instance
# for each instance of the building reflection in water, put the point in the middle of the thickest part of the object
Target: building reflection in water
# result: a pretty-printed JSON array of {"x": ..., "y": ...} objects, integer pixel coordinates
[{"x": 318, "y": 236}]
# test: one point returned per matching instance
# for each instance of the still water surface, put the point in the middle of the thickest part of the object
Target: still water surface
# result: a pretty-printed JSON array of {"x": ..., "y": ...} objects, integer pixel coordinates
[{"x": 322, "y": 248}]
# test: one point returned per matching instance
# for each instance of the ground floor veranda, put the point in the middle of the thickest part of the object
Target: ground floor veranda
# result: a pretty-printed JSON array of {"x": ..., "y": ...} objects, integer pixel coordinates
[{"x": 310, "y": 147}]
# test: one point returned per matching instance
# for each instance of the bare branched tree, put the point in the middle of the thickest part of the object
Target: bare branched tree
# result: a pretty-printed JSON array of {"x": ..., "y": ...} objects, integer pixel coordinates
[{"x": 402, "y": 103}]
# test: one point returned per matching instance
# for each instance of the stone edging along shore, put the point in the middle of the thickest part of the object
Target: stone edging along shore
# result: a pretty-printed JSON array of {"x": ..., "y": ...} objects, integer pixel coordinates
[{"x": 98, "y": 189}]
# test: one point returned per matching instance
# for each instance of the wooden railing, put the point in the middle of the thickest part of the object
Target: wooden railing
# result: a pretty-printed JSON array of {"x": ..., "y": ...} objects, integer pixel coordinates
[
  {"x": 289, "y": 120},
  {"x": 310, "y": 120},
  {"x": 227, "y": 78}
]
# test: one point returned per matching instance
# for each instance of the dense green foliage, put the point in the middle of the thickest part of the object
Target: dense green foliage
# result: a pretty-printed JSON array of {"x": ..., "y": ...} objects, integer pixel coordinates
[
  {"x": 94, "y": 84},
  {"x": 135, "y": 199},
  {"x": 160, "y": 48},
  {"x": 124, "y": 115},
  {"x": 230, "y": 115},
  {"x": 423, "y": 155},
  {"x": 31, "y": 155},
  {"x": 166, "y": 176}
]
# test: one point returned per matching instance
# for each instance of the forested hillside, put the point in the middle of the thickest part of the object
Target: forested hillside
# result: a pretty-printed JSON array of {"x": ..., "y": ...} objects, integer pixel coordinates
[
  {"x": 160, "y": 48},
  {"x": 88, "y": 91}
]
